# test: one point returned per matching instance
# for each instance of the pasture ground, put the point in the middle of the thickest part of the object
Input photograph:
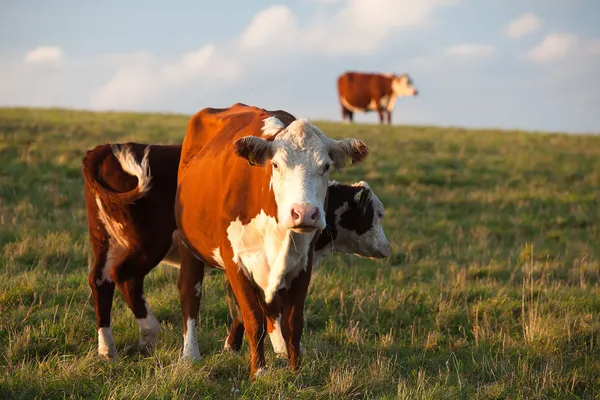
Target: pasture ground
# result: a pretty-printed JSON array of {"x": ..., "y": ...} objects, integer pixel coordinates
[{"x": 492, "y": 291}]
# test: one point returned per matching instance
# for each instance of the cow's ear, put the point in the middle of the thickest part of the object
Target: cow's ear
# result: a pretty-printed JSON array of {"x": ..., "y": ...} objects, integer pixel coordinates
[
  {"x": 254, "y": 149},
  {"x": 348, "y": 152},
  {"x": 362, "y": 199}
]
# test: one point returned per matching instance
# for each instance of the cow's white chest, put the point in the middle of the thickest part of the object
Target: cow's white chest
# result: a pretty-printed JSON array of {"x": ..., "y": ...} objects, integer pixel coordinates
[{"x": 268, "y": 255}]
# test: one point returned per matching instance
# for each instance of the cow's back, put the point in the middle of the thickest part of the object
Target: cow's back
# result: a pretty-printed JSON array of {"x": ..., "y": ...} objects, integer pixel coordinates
[{"x": 210, "y": 122}]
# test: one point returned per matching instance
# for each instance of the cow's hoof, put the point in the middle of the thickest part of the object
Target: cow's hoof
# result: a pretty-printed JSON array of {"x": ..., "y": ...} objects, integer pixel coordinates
[
  {"x": 107, "y": 354},
  {"x": 192, "y": 355},
  {"x": 106, "y": 344}
]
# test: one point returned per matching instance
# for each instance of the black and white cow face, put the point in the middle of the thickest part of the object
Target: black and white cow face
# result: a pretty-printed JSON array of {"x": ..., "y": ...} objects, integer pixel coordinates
[{"x": 354, "y": 223}]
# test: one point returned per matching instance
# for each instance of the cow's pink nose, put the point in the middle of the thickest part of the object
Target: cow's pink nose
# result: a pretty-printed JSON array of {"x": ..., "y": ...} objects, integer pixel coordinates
[{"x": 305, "y": 214}]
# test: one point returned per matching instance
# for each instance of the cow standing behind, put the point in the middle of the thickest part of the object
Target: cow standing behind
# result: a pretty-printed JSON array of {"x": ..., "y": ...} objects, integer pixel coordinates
[
  {"x": 252, "y": 201},
  {"x": 133, "y": 185},
  {"x": 364, "y": 92}
]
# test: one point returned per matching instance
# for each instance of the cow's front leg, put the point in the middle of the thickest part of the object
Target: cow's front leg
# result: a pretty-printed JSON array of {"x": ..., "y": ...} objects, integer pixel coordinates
[
  {"x": 189, "y": 283},
  {"x": 292, "y": 318},
  {"x": 253, "y": 316}
]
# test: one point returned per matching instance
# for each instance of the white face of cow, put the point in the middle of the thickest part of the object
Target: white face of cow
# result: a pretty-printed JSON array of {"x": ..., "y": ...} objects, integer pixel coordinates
[
  {"x": 301, "y": 158},
  {"x": 403, "y": 86}
]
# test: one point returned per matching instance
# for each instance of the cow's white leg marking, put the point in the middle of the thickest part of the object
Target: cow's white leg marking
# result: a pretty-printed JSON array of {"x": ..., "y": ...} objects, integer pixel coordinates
[
  {"x": 106, "y": 343},
  {"x": 279, "y": 346},
  {"x": 149, "y": 328},
  {"x": 190, "y": 344},
  {"x": 198, "y": 288}
]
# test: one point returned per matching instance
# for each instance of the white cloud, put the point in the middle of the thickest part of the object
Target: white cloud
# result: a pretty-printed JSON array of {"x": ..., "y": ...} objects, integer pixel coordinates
[
  {"x": 555, "y": 46},
  {"x": 273, "y": 26},
  {"x": 44, "y": 54},
  {"x": 358, "y": 27},
  {"x": 523, "y": 25},
  {"x": 143, "y": 78},
  {"x": 471, "y": 50}
]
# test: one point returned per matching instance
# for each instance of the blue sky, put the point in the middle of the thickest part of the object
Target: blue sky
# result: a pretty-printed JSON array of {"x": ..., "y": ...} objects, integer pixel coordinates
[{"x": 525, "y": 64}]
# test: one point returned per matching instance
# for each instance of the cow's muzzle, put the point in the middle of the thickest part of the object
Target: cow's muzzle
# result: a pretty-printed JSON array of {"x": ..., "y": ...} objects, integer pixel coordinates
[{"x": 305, "y": 217}]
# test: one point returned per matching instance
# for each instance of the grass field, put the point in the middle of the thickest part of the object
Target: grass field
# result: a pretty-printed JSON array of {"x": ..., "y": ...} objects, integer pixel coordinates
[{"x": 492, "y": 290}]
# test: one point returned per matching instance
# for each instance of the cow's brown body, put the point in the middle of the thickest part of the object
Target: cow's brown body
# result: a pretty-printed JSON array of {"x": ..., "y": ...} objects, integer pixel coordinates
[
  {"x": 227, "y": 194},
  {"x": 364, "y": 92}
]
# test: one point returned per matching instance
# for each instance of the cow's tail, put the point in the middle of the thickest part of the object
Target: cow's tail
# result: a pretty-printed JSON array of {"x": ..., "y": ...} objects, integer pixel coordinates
[{"x": 129, "y": 165}]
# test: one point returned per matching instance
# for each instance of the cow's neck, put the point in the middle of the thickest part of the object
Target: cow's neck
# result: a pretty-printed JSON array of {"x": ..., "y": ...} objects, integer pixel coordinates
[{"x": 272, "y": 257}]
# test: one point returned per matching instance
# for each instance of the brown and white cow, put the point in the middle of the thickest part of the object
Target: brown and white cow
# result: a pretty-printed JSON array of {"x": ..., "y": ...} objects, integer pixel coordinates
[
  {"x": 130, "y": 228},
  {"x": 354, "y": 226},
  {"x": 133, "y": 185},
  {"x": 252, "y": 200},
  {"x": 364, "y": 92}
]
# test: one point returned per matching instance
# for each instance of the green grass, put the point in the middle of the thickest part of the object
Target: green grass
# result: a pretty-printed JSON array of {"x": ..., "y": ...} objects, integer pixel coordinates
[{"x": 492, "y": 290}]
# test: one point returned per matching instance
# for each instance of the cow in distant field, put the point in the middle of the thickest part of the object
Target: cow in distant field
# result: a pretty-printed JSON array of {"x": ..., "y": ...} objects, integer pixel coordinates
[
  {"x": 251, "y": 201},
  {"x": 130, "y": 197},
  {"x": 364, "y": 92}
]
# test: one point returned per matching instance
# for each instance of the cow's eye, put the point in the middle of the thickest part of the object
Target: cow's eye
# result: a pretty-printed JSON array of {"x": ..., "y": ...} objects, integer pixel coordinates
[
  {"x": 326, "y": 168},
  {"x": 275, "y": 165},
  {"x": 380, "y": 215}
]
